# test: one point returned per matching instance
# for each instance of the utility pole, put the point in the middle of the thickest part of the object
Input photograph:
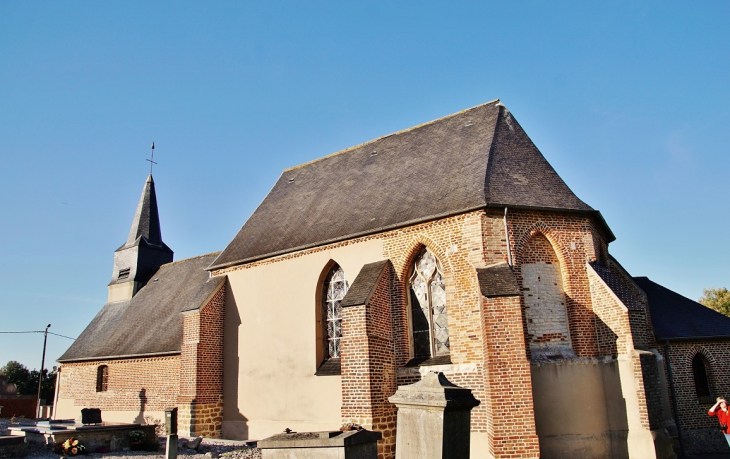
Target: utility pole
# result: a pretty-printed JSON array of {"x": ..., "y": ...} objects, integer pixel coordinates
[{"x": 40, "y": 375}]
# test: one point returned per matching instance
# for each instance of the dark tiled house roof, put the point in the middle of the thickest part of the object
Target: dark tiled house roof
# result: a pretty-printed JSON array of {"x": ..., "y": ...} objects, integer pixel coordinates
[
  {"x": 473, "y": 159},
  {"x": 151, "y": 322},
  {"x": 675, "y": 317},
  {"x": 497, "y": 280}
]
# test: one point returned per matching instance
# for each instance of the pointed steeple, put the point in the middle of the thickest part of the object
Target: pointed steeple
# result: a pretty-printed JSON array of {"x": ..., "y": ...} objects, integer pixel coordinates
[
  {"x": 146, "y": 221},
  {"x": 143, "y": 252}
]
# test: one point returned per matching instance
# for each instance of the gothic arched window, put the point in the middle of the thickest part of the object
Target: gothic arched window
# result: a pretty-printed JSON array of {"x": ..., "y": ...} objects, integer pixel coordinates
[
  {"x": 429, "y": 322},
  {"x": 102, "y": 378},
  {"x": 699, "y": 371},
  {"x": 334, "y": 290}
]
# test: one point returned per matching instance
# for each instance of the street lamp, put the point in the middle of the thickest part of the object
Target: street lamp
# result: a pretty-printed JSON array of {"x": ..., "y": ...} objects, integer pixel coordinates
[{"x": 40, "y": 375}]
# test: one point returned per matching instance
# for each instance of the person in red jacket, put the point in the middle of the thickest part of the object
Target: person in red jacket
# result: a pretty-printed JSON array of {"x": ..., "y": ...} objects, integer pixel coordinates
[{"x": 723, "y": 416}]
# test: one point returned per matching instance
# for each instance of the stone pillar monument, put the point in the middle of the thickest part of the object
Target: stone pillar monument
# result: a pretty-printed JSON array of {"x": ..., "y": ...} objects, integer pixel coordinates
[{"x": 434, "y": 419}]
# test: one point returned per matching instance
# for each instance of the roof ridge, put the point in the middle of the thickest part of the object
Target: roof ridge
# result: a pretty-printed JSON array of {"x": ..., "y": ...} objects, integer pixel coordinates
[
  {"x": 392, "y": 134},
  {"x": 492, "y": 146},
  {"x": 191, "y": 258}
]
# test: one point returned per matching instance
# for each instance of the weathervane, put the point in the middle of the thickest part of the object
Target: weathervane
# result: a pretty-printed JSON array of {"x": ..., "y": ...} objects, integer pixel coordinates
[{"x": 152, "y": 158}]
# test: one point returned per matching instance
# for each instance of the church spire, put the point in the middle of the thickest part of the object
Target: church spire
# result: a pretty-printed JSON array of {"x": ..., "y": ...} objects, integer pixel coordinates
[
  {"x": 143, "y": 252},
  {"x": 146, "y": 221}
]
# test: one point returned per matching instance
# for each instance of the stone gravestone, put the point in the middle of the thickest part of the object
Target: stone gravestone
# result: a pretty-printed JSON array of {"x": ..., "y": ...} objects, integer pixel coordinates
[
  {"x": 90, "y": 416},
  {"x": 434, "y": 419},
  {"x": 360, "y": 444}
]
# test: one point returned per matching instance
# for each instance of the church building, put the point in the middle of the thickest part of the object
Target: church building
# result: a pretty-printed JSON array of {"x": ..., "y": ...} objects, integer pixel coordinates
[{"x": 452, "y": 246}]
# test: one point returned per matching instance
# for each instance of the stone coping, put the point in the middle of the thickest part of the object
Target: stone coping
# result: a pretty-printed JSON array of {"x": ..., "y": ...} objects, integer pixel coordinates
[
  {"x": 434, "y": 390},
  {"x": 326, "y": 439}
]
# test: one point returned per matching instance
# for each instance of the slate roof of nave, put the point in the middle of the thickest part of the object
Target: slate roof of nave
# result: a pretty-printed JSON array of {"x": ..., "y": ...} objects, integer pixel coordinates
[
  {"x": 676, "y": 317},
  {"x": 151, "y": 322},
  {"x": 473, "y": 159}
]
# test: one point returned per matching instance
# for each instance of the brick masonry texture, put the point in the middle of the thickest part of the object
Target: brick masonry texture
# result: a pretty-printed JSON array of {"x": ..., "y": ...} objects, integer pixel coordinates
[
  {"x": 200, "y": 403},
  {"x": 545, "y": 313},
  {"x": 489, "y": 349},
  {"x": 368, "y": 370},
  {"x": 692, "y": 412},
  {"x": 624, "y": 332},
  {"x": 574, "y": 240},
  {"x": 144, "y": 384},
  {"x": 191, "y": 381}
]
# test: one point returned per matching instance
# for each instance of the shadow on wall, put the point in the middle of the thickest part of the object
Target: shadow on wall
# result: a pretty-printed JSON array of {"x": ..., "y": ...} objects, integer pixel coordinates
[
  {"x": 580, "y": 410},
  {"x": 142, "y": 404},
  {"x": 235, "y": 424}
]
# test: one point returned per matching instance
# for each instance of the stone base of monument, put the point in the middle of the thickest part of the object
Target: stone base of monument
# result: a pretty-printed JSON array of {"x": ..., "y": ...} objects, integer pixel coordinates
[
  {"x": 434, "y": 419},
  {"x": 358, "y": 444},
  {"x": 106, "y": 436}
]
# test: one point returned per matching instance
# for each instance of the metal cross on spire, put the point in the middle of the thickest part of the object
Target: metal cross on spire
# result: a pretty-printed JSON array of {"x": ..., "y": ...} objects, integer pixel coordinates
[{"x": 152, "y": 158}]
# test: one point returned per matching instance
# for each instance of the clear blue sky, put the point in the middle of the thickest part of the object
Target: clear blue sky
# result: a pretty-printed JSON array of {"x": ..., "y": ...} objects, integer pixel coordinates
[{"x": 629, "y": 101}]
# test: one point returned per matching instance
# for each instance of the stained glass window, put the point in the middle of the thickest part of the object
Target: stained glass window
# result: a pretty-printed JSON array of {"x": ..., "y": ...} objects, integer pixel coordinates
[
  {"x": 335, "y": 288},
  {"x": 429, "y": 321}
]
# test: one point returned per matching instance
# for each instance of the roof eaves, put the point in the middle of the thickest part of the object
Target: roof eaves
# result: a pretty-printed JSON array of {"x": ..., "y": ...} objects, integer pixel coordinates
[
  {"x": 116, "y": 357},
  {"x": 691, "y": 338},
  {"x": 343, "y": 238},
  {"x": 602, "y": 225},
  {"x": 214, "y": 267}
]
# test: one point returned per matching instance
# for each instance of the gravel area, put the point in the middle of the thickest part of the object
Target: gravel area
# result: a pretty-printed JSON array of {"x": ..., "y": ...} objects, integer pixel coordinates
[{"x": 209, "y": 448}]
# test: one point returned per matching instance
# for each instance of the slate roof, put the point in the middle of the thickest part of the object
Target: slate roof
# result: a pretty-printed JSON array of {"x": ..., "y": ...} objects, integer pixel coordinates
[
  {"x": 675, "y": 317},
  {"x": 151, "y": 322},
  {"x": 473, "y": 159},
  {"x": 497, "y": 280},
  {"x": 146, "y": 222},
  {"x": 364, "y": 286}
]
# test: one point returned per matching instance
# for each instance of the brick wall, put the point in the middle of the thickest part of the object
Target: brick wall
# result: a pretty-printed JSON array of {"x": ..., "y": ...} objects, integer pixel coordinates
[
  {"x": 200, "y": 402},
  {"x": 545, "y": 314},
  {"x": 692, "y": 412},
  {"x": 488, "y": 345},
  {"x": 619, "y": 330},
  {"x": 574, "y": 240},
  {"x": 511, "y": 426},
  {"x": 135, "y": 385},
  {"x": 368, "y": 367},
  {"x": 613, "y": 328}
]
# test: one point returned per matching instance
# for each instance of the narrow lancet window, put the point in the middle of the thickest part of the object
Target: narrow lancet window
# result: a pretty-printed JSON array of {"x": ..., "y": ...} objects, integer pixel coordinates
[
  {"x": 429, "y": 321},
  {"x": 699, "y": 370},
  {"x": 335, "y": 288},
  {"x": 102, "y": 378}
]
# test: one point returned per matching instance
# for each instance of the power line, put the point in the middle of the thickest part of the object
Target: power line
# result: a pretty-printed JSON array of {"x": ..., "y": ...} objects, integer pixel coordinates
[
  {"x": 62, "y": 336},
  {"x": 39, "y": 331}
]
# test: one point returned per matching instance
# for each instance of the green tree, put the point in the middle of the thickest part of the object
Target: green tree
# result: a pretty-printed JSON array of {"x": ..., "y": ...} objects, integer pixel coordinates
[
  {"x": 19, "y": 375},
  {"x": 717, "y": 299},
  {"x": 27, "y": 380}
]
